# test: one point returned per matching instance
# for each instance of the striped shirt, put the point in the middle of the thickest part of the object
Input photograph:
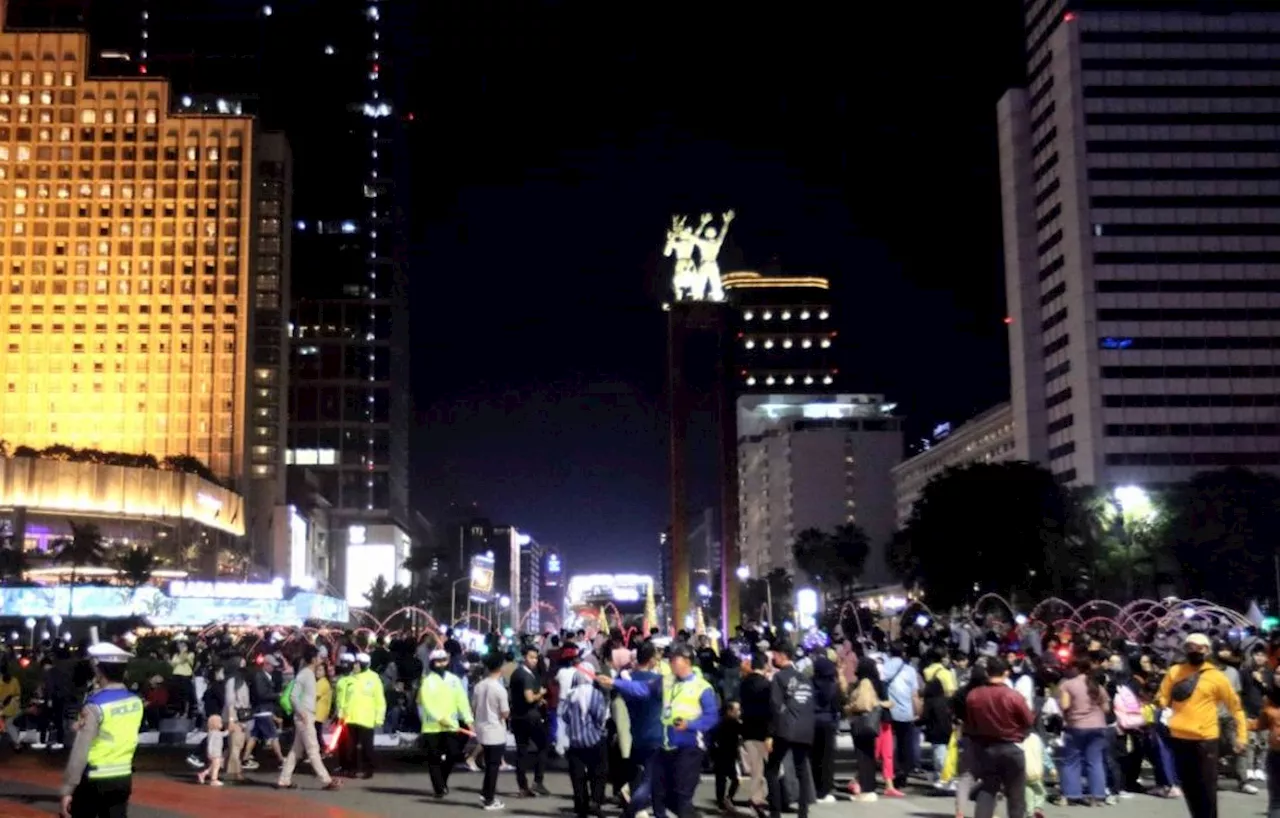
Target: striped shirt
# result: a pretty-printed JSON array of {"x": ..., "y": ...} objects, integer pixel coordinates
[{"x": 584, "y": 729}]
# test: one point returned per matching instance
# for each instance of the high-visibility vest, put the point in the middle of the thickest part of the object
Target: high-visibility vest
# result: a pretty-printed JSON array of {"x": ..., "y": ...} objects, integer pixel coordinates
[
  {"x": 681, "y": 700},
  {"x": 111, "y": 754}
]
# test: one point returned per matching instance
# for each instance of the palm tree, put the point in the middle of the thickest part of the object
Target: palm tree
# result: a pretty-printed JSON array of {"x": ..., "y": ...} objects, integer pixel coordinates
[
  {"x": 136, "y": 565},
  {"x": 83, "y": 547}
]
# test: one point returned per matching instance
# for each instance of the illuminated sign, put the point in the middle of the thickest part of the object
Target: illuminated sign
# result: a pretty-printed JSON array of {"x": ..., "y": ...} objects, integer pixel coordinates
[
  {"x": 941, "y": 430},
  {"x": 806, "y": 607},
  {"x": 299, "y": 564},
  {"x": 208, "y": 501},
  {"x": 365, "y": 564},
  {"x": 227, "y": 590},
  {"x": 160, "y": 609},
  {"x": 553, "y": 563},
  {"x": 612, "y": 586}
]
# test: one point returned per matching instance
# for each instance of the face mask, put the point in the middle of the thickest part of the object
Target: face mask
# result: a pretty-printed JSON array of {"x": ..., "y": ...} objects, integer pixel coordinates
[{"x": 1195, "y": 659}]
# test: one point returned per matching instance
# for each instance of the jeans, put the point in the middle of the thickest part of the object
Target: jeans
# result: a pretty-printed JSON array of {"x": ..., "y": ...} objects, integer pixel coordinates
[
  {"x": 492, "y": 764},
  {"x": 1000, "y": 765},
  {"x": 773, "y": 773},
  {"x": 531, "y": 750},
  {"x": 939, "y": 761},
  {"x": 587, "y": 774},
  {"x": 1087, "y": 748},
  {"x": 1161, "y": 754},
  {"x": 906, "y": 751},
  {"x": 1197, "y": 765},
  {"x": 824, "y": 757}
]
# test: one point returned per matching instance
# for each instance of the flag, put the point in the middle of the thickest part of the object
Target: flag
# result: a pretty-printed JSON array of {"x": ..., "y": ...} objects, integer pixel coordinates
[
  {"x": 1254, "y": 614},
  {"x": 650, "y": 612}
]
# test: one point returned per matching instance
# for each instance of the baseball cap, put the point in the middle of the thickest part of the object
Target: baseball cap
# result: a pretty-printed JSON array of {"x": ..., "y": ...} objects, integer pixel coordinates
[{"x": 1198, "y": 640}]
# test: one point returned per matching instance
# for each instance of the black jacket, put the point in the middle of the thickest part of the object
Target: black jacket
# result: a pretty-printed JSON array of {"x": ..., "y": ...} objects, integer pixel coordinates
[{"x": 792, "y": 700}]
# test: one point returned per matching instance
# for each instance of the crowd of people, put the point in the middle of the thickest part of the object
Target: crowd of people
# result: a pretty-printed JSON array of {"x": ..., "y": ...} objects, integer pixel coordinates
[{"x": 1034, "y": 716}]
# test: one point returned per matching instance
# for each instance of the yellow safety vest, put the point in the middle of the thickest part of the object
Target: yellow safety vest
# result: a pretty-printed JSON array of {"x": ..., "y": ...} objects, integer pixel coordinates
[
  {"x": 111, "y": 754},
  {"x": 343, "y": 692},
  {"x": 681, "y": 700}
]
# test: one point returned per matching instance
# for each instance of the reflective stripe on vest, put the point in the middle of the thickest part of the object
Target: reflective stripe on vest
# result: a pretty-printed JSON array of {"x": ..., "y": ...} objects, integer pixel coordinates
[{"x": 111, "y": 754}]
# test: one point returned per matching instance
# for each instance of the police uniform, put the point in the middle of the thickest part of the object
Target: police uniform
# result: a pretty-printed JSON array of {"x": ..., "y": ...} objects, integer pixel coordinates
[
  {"x": 364, "y": 708},
  {"x": 680, "y": 759},
  {"x": 99, "y": 774}
]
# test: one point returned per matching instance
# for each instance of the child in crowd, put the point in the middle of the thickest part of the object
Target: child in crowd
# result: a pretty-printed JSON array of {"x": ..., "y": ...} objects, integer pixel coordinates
[
  {"x": 725, "y": 741},
  {"x": 213, "y": 751}
]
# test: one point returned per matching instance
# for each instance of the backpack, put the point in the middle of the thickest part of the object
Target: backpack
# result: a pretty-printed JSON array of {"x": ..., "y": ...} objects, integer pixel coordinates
[{"x": 286, "y": 699}]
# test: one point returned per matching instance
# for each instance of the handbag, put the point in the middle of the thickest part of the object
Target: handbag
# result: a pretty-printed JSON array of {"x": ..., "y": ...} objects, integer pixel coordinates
[{"x": 867, "y": 724}]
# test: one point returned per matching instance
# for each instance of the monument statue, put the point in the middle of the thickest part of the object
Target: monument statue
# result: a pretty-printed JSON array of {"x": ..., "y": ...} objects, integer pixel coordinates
[{"x": 697, "y": 280}]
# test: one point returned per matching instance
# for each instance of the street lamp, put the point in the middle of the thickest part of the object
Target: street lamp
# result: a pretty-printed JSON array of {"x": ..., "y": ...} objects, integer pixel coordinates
[
  {"x": 504, "y": 602},
  {"x": 31, "y": 632},
  {"x": 1131, "y": 502},
  {"x": 704, "y": 591}
]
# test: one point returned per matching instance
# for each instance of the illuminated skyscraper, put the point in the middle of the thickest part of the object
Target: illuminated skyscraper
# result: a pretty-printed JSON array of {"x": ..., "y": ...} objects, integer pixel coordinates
[
  {"x": 125, "y": 268},
  {"x": 330, "y": 74},
  {"x": 1141, "y": 196}
]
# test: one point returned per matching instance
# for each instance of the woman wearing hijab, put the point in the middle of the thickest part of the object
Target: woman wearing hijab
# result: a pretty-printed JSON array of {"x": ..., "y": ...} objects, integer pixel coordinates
[{"x": 866, "y": 708}]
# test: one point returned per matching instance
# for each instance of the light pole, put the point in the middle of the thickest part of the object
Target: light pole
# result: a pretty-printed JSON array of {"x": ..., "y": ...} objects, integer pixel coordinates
[
  {"x": 31, "y": 632},
  {"x": 453, "y": 600},
  {"x": 504, "y": 602},
  {"x": 744, "y": 573}
]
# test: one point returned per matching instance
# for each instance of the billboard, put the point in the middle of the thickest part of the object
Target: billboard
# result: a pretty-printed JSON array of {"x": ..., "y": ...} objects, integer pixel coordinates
[
  {"x": 189, "y": 605},
  {"x": 482, "y": 577}
]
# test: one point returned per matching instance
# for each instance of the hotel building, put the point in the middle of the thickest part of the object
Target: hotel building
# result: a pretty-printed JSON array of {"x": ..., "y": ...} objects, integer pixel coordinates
[
  {"x": 814, "y": 461},
  {"x": 1141, "y": 197},
  {"x": 124, "y": 264},
  {"x": 987, "y": 438}
]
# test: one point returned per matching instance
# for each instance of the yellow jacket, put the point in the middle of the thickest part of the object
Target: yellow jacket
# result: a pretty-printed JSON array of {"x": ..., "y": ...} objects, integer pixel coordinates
[
  {"x": 7, "y": 689},
  {"x": 442, "y": 703},
  {"x": 324, "y": 698},
  {"x": 1196, "y": 719},
  {"x": 946, "y": 677},
  {"x": 366, "y": 701}
]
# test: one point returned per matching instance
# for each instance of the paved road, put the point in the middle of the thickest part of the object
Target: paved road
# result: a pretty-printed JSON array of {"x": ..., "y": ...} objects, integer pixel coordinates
[{"x": 164, "y": 788}]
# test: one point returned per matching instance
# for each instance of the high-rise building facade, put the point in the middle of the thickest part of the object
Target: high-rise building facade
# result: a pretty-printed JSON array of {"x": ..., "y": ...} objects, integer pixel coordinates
[
  {"x": 1141, "y": 200},
  {"x": 811, "y": 461},
  {"x": 126, "y": 264},
  {"x": 785, "y": 332}
]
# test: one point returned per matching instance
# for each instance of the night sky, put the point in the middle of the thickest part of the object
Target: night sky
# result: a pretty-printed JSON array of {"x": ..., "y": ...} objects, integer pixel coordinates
[{"x": 554, "y": 140}]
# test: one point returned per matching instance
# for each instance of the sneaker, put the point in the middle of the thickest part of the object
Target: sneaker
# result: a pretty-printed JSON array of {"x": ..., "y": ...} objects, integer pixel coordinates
[
  {"x": 56, "y": 746},
  {"x": 1248, "y": 789},
  {"x": 250, "y": 764},
  {"x": 194, "y": 761},
  {"x": 1259, "y": 775},
  {"x": 541, "y": 789},
  {"x": 1111, "y": 800},
  {"x": 506, "y": 768},
  {"x": 472, "y": 766},
  {"x": 1251, "y": 775},
  {"x": 38, "y": 745},
  {"x": 494, "y": 805},
  {"x": 215, "y": 783},
  {"x": 826, "y": 799},
  {"x": 334, "y": 784},
  {"x": 866, "y": 797}
]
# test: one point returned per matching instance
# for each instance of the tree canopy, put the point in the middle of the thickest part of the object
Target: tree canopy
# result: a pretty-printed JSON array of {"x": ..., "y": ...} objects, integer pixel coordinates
[{"x": 988, "y": 527}]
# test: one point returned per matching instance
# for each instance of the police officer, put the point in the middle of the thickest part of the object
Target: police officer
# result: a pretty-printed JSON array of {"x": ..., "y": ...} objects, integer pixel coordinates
[
  {"x": 446, "y": 712},
  {"x": 342, "y": 695},
  {"x": 365, "y": 708},
  {"x": 689, "y": 710},
  {"x": 99, "y": 775}
]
